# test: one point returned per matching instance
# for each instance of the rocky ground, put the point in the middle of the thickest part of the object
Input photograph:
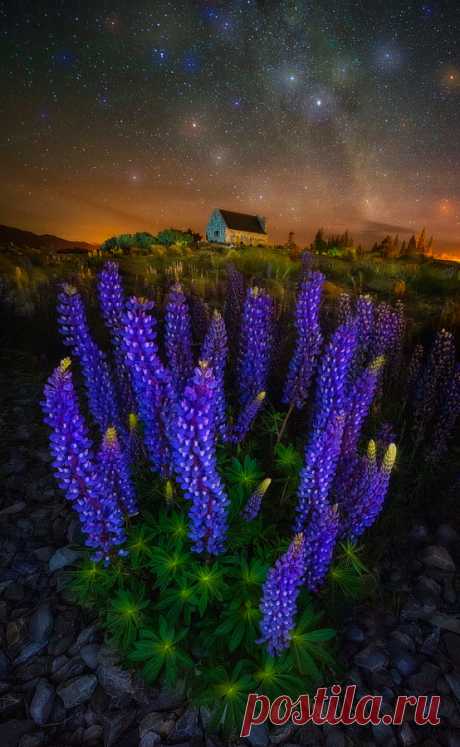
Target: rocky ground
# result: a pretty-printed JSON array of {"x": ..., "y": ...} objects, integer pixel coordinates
[{"x": 61, "y": 685}]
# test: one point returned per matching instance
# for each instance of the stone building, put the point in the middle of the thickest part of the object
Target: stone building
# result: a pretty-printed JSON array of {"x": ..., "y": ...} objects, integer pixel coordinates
[{"x": 227, "y": 227}]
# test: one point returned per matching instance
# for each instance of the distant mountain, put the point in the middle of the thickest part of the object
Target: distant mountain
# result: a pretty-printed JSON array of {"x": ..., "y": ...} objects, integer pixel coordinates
[{"x": 22, "y": 239}]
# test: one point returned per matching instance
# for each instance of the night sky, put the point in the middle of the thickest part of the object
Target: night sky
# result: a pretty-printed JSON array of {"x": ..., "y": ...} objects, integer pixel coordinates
[{"x": 125, "y": 116}]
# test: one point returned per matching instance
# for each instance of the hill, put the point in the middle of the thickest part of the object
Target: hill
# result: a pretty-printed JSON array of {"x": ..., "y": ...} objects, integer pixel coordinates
[{"x": 15, "y": 237}]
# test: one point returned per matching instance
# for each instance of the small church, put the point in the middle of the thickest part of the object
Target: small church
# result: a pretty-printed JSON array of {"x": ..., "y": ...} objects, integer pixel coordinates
[{"x": 227, "y": 227}]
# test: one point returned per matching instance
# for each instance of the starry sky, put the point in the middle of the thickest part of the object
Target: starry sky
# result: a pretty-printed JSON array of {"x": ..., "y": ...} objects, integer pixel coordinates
[{"x": 126, "y": 116}]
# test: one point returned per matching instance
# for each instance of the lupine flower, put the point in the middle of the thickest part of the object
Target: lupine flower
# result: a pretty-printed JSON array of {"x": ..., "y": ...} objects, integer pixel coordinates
[
  {"x": 333, "y": 373},
  {"x": 178, "y": 338},
  {"x": 320, "y": 539},
  {"x": 437, "y": 373},
  {"x": 279, "y": 597},
  {"x": 365, "y": 502},
  {"x": 387, "y": 331},
  {"x": 75, "y": 467},
  {"x": 246, "y": 418},
  {"x": 112, "y": 303},
  {"x": 306, "y": 264},
  {"x": 344, "y": 309},
  {"x": 413, "y": 371},
  {"x": 215, "y": 350},
  {"x": 115, "y": 473},
  {"x": 252, "y": 508},
  {"x": 359, "y": 403},
  {"x": 100, "y": 390},
  {"x": 364, "y": 316},
  {"x": 150, "y": 379},
  {"x": 234, "y": 300},
  {"x": 385, "y": 436},
  {"x": 194, "y": 450},
  {"x": 135, "y": 448},
  {"x": 256, "y": 344},
  {"x": 308, "y": 343},
  {"x": 447, "y": 417}
]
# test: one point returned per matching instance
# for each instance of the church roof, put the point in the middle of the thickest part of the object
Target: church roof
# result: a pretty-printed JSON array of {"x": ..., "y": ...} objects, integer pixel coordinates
[{"x": 242, "y": 221}]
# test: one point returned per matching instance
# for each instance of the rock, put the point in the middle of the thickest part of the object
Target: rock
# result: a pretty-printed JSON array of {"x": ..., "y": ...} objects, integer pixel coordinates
[
  {"x": 93, "y": 734},
  {"x": 85, "y": 636},
  {"x": 89, "y": 655},
  {"x": 37, "y": 667},
  {"x": 454, "y": 683},
  {"x": 427, "y": 588},
  {"x": 436, "y": 556},
  {"x": 69, "y": 669},
  {"x": 115, "y": 680},
  {"x": 33, "y": 740},
  {"x": 452, "y": 738},
  {"x": 416, "y": 610},
  {"x": 446, "y": 535},
  {"x": 334, "y": 737},
  {"x": 403, "y": 639},
  {"x": 167, "y": 700},
  {"x": 446, "y": 622},
  {"x": 78, "y": 690},
  {"x": 449, "y": 713},
  {"x": 42, "y": 702},
  {"x": 309, "y": 735},
  {"x": 29, "y": 651},
  {"x": 431, "y": 643},
  {"x": 14, "y": 508},
  {"x": 117, "y": 724},
  {"x": 187, "y": 726},
  {"x": 62, "y": 558},
  {"x": 423, "y": 682},
  {"x": 4, "y": 664},
  {"x": 59, "y": 645},
  {"x": 383, "y": 734},
  {"x": 10, "y": 704},
  {"x": 41, "y": 623},
  {"x": 452, "y": 644},
  {"x": 354, "y": 633},
  {"x": 259, "y": 736},
  {"x": 150, "y": 739},
  {"x": 12, "y": 731},
  {"x": 406, "y": 735},
  {"x": 404, "y": 662},
  {"x": 419, "y": 534},
  {"x": 282, "y": 734},
  {"x": 371, "y": 658}
]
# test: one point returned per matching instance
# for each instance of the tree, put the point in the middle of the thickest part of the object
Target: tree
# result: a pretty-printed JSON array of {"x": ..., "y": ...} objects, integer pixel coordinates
[
  {"x": 319, "y": 244},
  {"x": 411, "y": 250},
  {"x": 421, "y": 248}
]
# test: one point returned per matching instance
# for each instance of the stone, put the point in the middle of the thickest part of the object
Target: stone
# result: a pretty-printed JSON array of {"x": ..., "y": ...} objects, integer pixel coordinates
[
  {"x": 446, "y": 535},
  {"x": 93, "y": 734},
  {"x": 12, "y": 731},
  {"x": 259, "y": 736},
  {"x": 449, "y": 712},
  {"x": 436, "y": 556},
  {"x": 187, "y": 726},
  {"x": 416, "y": 610},
  {"x": 85, "y": 636},
  {"x": 77, "y": 690},
  {"x": 446, "y": 622},
  {"x": 33, "y": 740},
  {"x": 404, "y": 662},
  {"x": 41, "y": 623},
  {"x": 115, "y": 680},
  {"x": 419, "y": 534},
  {"x": 42, "y": 702},
  {"x": 452, "y": 738},
  {"x": 71, "y": 668},
  {"x": 334, "y": 737},
  {"x": 117, "y": 724},
  {"x": 59, "y": 645},
  {"x": 309, "y": 735},
  {"x": 10, "y": 704},
  {"x": 423, "y": 682},
  {"x": 354, "y": 633},
  {"x": 89, "y": 655},
  {"x": 406, "y": 735},
  {"x": 431, "y": 643},
  {"x": 282, "y": 734},
  {"x": 12, "y": 509},
  {"x": 452, "y": 644},
  {"x": 29, "y": 651},
  {"x": 4, "y": 664},
  {"x": 404, "y": 640},
  {"x": 454, "y": 683},
  {"x": 150, "y": 739},
  {"x": 37, "y": 667},
  {"x": 384, "y": 735},
  {"x": 62, "y": 558},
  {"x": 371, "y": 658}
]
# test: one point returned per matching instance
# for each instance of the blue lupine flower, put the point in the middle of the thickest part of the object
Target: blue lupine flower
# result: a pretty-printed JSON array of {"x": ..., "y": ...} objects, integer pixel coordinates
[
  {"x": 75, "y": 467},
  {"x": 320, "y": 539},
  {"x": 246, "y": 418},
  {"x": 115, "y": 472},
  {"x": 178, "y": 338},
  {"x": 194, "y": 454},
  {"x": 215, "y": 350},
  {"x": 150, "y": 379},
  {"x": 256, "y": 344},
  {"x": 252, "y": 507},
  {"x": 100, "y": 390},
  {"x": 279, "y": 597},
  {"x": 308, "y": 343}
]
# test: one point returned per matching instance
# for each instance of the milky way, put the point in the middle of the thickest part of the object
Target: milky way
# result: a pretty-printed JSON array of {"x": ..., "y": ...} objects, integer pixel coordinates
[{"x": 133, "y": 116}]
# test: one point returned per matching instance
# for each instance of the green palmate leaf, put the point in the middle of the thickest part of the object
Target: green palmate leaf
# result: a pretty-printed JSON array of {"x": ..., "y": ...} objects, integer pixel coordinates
[
  {"x": 275, "y": 676},
  {"x": 288, "y": 459},
  {"x": 272, "y": 421},
  {"x": 125, "y": 616},
  {"x": 91, "y": 582},
  {"x": 209, "y": 585},
  {"x": 308, "y": 650},
  {"x": 173, "y": 527},
  {"x": 246, "y": 473},
  {"x": 159, "y": 652},
  {"x": 141, "y": 541},
  {"x": 226, "y": 693},
  {"x": 177, "y": 601},
  {"x": 169, "y": 565},
  {"x": 350, "y": 553}
]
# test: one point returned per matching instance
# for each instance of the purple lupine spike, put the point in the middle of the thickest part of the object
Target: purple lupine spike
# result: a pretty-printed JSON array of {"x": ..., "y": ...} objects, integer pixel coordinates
[
  {"x": 252, "y": 507},
  {"x": 344, "y": 309},
  {"x": 279, "y": 597},
  {"x": 413, "y": 371},
  {"x": 364, "y": 316},
  {"x": 437, "y": 372},
  {"x": 363, "y": 504},
  {"x": 387, "y": 330},
  {"x": 306, "y": 264},
  {"x": 234, "y": 301},
  {"x": 75, "y": 467},
  {"x": 359, "y": 403},
  {"x": 100, "y": 390},
  {"x": 111, "y": 296},
  {"x": 447, "y": 417},
  {"x": 178, "y": 338},
  {"x": 200, "y": 316},
  {"x": 135, "y": 447},
  {"x": 113, "y": 303},
  {"x": 308, "y": 343},
  {"x": 333, "y": 373},
  {"x": 320, "y": 540},
  {"x": 256, "y": 344},
  {"x": 316, "y": 478},
  {"x": 246, "y": 418},
  {"x": 115, "y": 472},
  {"x": 194, "y": 454},
  {"x": 215, "y": 350},
  {"x": 150, "y": 379},
  {"x": 386, "y": 435}
]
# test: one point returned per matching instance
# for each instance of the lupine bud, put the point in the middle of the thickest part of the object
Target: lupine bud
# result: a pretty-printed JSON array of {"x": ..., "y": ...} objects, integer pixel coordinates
[
  {"x": 308, "y": 343},
  {"x": 215, "y": 350},
  {"x": 194, "y": 449},
  {"x": 320, "y": 539},
  {"x": 256, "y": 344},
  {"x": 252, "y": 508},
  {"x": 200, "y": 316},
  {"x": 234, "y": 300},
  {"x": 74, "y": 327},
  {"x": 115, "y": 472},
  {"x": 75, "y": 467},
  {"x": 246, "y": 419},
  {"x": 279, "y": 597},
  {"x": 169, "y": 492},
  {"x": 333, "y": 374},
  {"x": 150, "y": 379},
  {"x": 178, "y": 338},
  {"x": 448, "y": 414},
  {"x": 359, "y": 403},
  {"x": 436, "y": 375}
]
